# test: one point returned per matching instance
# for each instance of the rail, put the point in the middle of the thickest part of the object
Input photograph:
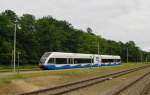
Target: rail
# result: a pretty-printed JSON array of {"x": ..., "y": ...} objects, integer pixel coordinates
[{"x": 58, "y": 90}]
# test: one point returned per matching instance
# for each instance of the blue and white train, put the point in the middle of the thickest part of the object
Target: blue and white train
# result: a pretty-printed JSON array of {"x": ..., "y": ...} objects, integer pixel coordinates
[{"x": 61, "y": 60}]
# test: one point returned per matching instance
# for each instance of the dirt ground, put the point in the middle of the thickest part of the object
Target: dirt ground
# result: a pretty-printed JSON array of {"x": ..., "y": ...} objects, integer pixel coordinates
[
  {"x": 137, "y": 89},
  {"x": 16, "y": 84},
  {"x": 108, "y": 87}
]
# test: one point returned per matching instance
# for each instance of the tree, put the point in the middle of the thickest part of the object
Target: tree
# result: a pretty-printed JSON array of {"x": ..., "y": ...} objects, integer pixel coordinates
[
  {"x": 6, "y": 36},
  {"x": 10, "y": 15},
  {"x": 89, "y": 30},
  {"x": 27, "y": 22},
  {"x": 36, "y": 36}
]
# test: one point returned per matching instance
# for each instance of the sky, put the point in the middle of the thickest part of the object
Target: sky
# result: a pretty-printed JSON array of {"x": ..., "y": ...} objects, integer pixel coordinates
[{"x": 119, "y": 20}]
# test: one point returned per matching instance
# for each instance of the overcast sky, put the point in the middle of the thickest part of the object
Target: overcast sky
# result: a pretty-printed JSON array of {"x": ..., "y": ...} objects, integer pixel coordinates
[{"x": 119, "y": 20}]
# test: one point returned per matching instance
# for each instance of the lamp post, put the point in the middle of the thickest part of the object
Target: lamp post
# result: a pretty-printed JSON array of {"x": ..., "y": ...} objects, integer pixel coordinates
[{"x": 15, "y": 46}]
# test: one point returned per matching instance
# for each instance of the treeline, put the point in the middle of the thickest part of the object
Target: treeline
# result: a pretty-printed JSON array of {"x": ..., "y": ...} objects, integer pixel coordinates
[{"x": 36, "y": 36}]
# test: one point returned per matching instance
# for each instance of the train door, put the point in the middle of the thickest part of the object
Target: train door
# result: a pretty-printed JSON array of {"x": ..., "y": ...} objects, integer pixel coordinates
[
  {"x": 97, "y": 59},
  {"x": 70, "y": 61}
]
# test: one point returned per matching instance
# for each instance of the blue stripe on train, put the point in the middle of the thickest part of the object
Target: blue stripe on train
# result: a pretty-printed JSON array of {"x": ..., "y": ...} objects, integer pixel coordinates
[{"x": 55, "y": 67}]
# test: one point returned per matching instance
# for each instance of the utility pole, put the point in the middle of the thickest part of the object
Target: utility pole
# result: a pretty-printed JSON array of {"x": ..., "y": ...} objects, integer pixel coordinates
[
  {"x": 15, "y": 46},
  {"x": 127, "y": 54}
]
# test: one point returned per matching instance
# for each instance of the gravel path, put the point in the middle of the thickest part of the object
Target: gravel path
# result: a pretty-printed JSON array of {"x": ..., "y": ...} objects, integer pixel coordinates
[
  {"x": 137, "y": 89},
  {"x": 146, "y": 90}
]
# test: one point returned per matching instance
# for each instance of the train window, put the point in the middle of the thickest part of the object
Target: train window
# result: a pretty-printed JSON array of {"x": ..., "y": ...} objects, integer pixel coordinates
[
  {"x": 79, "y": 61},
  {"x": 108, "y": 60},
  {"x": 103, "y": 60},
  {"x": 118, "y": 60},
  {"x": 61, "y": 61},
  {"x": 51, "y": 61},
  {"x": 70, "y": 61},
  {"x": 44, "y": 57}
]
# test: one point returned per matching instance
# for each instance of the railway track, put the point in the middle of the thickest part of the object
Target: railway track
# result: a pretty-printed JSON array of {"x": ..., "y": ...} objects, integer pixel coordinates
[
  {"x": 124, "y": 88},
  {"x": 146, "y": 90},
  {"x": 59, "y": 90}
]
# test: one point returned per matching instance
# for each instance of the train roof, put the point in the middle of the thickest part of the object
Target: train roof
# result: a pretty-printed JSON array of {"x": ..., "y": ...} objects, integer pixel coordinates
[
  {"x": 110, "y": 57},
  {"x": 80, "y": 55}
]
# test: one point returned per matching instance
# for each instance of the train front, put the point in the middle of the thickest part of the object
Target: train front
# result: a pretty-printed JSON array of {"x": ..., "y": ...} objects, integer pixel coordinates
[{"x": 43, "y": 60}]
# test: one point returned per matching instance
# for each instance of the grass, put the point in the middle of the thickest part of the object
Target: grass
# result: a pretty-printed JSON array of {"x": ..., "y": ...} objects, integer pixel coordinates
[
  {"x": 8, "y": 68},
  {"x": 7, "y": 81},
  {"x": 74, "y": 72},
  {"x": 21, "y": 66}
]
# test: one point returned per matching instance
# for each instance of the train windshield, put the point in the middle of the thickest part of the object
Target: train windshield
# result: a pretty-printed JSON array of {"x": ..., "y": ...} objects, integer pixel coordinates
[{"x": 44, "y": 57}]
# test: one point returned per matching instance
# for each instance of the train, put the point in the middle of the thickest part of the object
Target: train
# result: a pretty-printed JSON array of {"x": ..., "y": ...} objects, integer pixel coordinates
[{"x": 62, "y": 60}]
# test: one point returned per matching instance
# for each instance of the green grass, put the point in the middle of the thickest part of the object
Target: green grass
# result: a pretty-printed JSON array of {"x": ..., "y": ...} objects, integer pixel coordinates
[
  {"x": 21, "y": 66},
  {"x": 10, "y": 68},
  {"x": 7, "y": 81},
  {"x": 74, "y": 72}
]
